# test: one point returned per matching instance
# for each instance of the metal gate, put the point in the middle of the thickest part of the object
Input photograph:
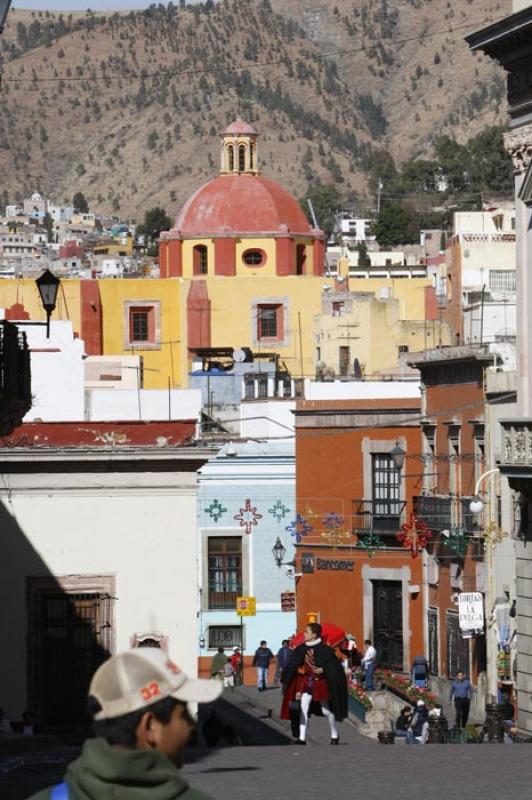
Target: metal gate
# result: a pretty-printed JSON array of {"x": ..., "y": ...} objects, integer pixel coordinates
[
  {"x": 388, "y": 623},
  {"x": 457, "y": 647},
  {"x": 70, "y": 635}
]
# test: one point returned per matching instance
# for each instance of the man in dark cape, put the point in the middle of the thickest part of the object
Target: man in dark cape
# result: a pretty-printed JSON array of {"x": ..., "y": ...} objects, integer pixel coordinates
[{"x": 315, "y": 679}]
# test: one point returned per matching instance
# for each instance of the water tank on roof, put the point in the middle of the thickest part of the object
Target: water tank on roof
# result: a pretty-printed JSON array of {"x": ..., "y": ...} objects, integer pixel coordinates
[{"x": 243, "y": 355}]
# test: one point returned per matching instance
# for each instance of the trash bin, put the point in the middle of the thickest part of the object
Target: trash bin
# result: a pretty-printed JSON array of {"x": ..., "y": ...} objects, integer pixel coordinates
[{"x": 438, "y": 730}]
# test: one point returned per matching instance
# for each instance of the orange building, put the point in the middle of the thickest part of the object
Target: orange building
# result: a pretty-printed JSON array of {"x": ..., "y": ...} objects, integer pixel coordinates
[
  {"x": 351, "y": 567},
  {"x": 453, "y": 457}
]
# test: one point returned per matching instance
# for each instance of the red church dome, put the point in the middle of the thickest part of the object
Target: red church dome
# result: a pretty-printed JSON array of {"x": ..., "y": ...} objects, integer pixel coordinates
[{"x": 241, "y": 204}]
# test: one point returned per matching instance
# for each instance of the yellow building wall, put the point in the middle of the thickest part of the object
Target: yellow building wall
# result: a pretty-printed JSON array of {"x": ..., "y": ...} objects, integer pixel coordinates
[
  {"x": 234, "y": 323},
  {"x": 188, "y": 257},
  {"x": 374, "y": 328},
  {"x": 164, "y": 362},
  {"x": 269, "y": 268},
  {"x": 25, "y": 292}
]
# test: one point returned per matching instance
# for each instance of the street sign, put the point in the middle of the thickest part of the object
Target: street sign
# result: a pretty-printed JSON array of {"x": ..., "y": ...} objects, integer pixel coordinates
[
  {"x": 288, "y": 601},
  {"x": 471, "y": 611},
  {"x": 246, "y": 606}
]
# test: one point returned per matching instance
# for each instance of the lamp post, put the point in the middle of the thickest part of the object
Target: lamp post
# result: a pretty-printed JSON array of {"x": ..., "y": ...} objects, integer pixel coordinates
[
  {"x": 48, "y": 286},
  {"x": 476, "y": 506}
]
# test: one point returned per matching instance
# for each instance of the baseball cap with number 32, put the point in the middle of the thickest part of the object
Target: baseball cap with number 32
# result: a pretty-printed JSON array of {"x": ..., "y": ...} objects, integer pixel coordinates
[{"x": 134, "y": 679}]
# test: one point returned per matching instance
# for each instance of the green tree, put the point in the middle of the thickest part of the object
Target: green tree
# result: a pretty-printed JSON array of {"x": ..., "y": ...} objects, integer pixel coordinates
[
  {"x": 382, "y": 170},
  {"x": 491, "y": 165},
  {"x": 79, "y": 201},
  {"x": 453, "y": 159},
  {"x": 363, "y": 256},
  {"x": 326, "y": 200},
  {"x": 49, "y": 225},
  {"x": 420, "y": 176},
  {"x": 395, "y": 225},
  {"x": 155, "y": 220}
]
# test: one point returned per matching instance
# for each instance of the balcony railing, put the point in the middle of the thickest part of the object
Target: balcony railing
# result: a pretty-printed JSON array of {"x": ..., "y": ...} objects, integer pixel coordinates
[
  {"x": 221, "y": 597},
  {"x": 435, "y": 512},
  {"x": 378, "y": 516},
  {"x": 15, "y": 377}
]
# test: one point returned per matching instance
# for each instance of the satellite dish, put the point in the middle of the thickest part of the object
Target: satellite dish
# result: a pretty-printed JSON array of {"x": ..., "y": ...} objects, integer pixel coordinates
[{"x": 239, "y": 355}]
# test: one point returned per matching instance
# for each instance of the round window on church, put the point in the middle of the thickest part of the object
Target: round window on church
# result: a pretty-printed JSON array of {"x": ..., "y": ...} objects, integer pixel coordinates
[{"x": 254, "y": 258}]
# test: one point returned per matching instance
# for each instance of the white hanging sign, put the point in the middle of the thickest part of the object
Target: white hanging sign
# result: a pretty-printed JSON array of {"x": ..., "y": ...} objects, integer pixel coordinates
[{"x": 471, "y": 611}]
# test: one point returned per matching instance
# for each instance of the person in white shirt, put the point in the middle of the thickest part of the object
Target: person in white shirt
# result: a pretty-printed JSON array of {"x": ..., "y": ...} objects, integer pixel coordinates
[{"x": 369, "y": 662}]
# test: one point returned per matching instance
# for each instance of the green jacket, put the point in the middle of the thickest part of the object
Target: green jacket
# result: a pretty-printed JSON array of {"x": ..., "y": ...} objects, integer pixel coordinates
[
  {"x": 219, "y": 660},
  {"x": 103, "y": 772}
]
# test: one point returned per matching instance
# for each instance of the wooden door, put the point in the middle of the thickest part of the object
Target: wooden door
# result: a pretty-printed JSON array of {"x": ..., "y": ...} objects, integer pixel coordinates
[{"x": 388, "y": 623}]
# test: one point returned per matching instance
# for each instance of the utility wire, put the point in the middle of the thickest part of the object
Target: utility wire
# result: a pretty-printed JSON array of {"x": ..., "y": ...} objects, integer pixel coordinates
[{"x": 243, "y": 67}]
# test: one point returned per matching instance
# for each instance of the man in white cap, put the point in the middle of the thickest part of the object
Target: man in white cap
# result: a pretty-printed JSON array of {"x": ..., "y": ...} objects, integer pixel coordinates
[{"x": 138, "y": 701}]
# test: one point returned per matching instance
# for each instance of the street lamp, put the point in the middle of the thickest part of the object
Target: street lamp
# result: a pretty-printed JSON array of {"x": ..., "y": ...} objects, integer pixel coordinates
[
  {"x": 48, "y": 286},
  {"x": 398, "y": 456},
  {"x": 279, "y": 553},
  {"x": 4, "y": 8},
  {"x": 477, "y": 504}
]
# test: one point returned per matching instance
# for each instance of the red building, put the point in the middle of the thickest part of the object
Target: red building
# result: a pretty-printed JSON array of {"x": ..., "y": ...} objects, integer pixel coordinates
[{"x": 353, "y": 501}]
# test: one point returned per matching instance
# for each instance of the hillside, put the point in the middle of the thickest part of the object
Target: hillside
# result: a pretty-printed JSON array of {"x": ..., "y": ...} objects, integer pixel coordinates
[{"x": 127, "y": 107}]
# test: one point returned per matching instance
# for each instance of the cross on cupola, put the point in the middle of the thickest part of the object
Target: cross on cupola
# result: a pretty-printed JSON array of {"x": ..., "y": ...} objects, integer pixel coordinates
[{"x": 239, "y": 149}]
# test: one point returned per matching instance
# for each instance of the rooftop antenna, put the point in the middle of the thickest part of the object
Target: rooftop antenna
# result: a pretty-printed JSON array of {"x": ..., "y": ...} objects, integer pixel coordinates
[{"x": 311, "y": 207}]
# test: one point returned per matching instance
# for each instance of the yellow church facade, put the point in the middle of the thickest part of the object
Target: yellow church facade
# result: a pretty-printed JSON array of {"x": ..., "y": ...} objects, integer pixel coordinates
[{"x": 241, "y": 268}]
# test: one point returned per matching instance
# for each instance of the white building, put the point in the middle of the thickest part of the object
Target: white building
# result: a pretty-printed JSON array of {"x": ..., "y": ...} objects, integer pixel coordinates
[{"x": 99, "y": 550}]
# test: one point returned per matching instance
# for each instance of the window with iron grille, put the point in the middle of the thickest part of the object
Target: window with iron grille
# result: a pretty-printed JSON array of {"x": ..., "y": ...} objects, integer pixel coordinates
[
  {"x": 434, "y": 664},
  {"x": 249, "y": 388},
  {"x": 267, "y": 318},
  {"x": 139, "y": 326},
  {"x": 502, "y": 280},
  {"x": 225, "y": 636},
  {"x": 262, "y": 389},
  {"x": 457, "y": 647},
  {"x": 225, "y": 571},
  {"x": 386, "y": 485}
]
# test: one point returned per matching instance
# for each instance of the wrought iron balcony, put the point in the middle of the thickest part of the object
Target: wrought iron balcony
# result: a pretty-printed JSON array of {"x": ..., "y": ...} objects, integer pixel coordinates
[
  {"x": 15, "y": 377},
  {"x": 435, "y": 512},
  {"x": 224, "y": 597},
  {"x": 377, "y": 516}
]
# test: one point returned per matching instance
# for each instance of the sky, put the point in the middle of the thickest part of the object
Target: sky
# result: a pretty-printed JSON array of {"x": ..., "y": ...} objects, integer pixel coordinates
[{"x": 82, "y": 5}]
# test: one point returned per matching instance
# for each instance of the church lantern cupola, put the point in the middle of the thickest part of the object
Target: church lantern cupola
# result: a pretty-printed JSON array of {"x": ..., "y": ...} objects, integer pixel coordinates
[{"x": 239, "y": 149}]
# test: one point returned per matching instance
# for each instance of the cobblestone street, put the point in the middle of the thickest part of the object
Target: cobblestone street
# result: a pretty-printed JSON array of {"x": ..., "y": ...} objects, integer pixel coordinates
[{"x": 269, "y": 766}]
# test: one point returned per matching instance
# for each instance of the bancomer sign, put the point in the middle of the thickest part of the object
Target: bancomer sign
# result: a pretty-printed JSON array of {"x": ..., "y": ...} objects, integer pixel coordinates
[{"x": 335, "y": 565}]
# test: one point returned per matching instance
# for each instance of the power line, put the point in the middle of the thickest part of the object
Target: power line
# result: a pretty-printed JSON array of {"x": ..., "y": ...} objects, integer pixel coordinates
[{"x": 242, "y": 67}]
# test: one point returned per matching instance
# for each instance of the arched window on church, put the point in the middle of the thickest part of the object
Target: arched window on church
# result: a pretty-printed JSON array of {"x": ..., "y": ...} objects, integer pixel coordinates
[
  {"x": 242, "y": 158},
  {"x": 231, "y": 158},
  {"x": 200, "y": 260},
  {"x": 301, "y": 259}
]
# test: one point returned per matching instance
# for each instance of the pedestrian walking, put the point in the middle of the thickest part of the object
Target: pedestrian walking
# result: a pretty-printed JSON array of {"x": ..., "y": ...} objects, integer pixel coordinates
[
  {"x": 229, "y": 678},
  {"x": 461, "y": 692},
  {"x": 281, "y": 660},
  {"x": 261, "y": 660},
  {"x": 219, "y": 660},
  {"x": 369, "y": 662},
  {"x": 315, "y": 676},
  {"x": 238, "y": 666},
  {"x": 139, "y": 704},
  {"x": 419, "y": 725}
]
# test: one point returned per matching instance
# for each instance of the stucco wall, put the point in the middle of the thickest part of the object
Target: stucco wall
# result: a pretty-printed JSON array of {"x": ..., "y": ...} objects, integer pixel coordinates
[{"x": 139, "y": 528}]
